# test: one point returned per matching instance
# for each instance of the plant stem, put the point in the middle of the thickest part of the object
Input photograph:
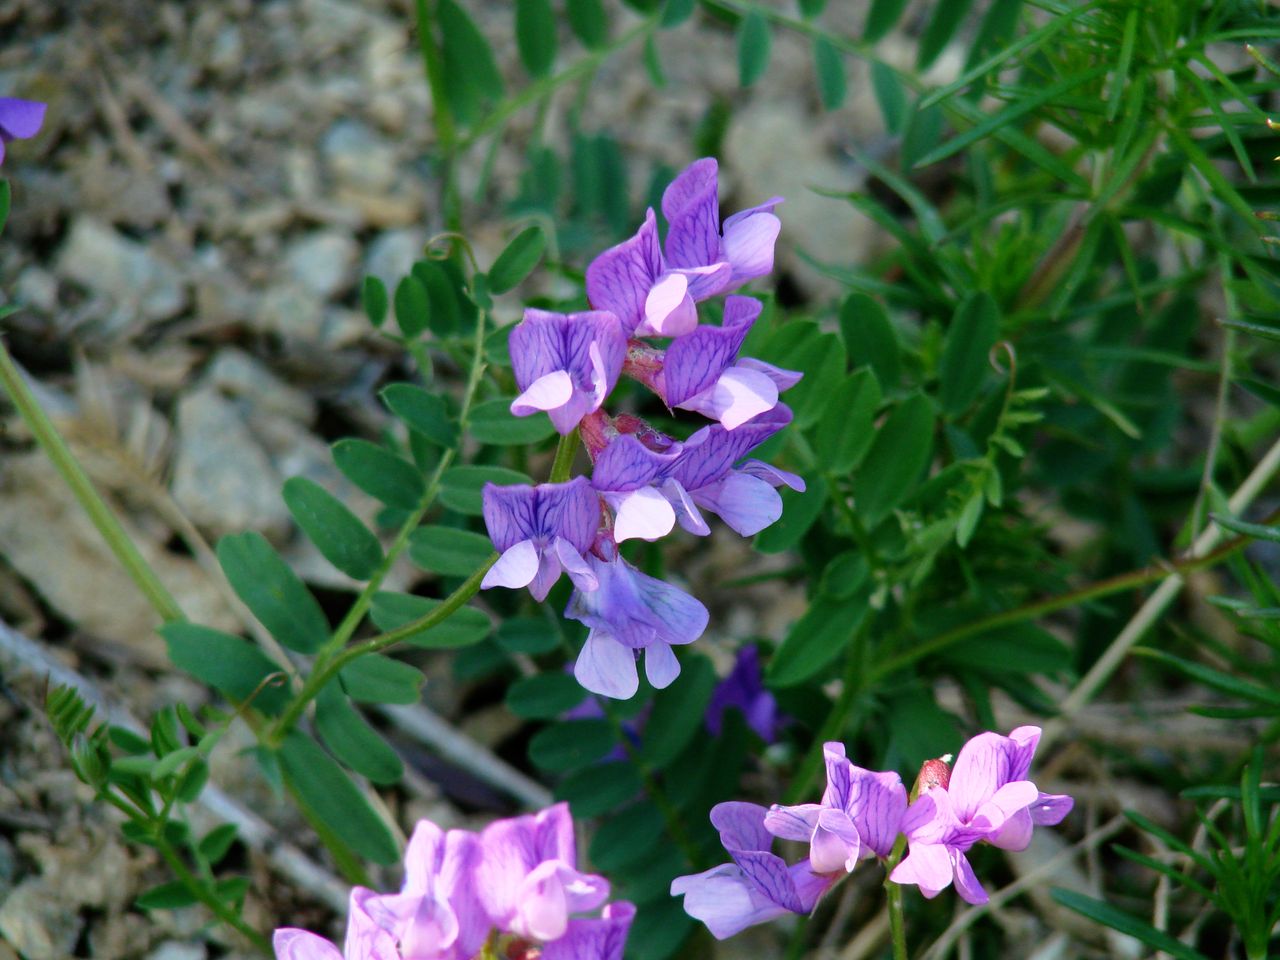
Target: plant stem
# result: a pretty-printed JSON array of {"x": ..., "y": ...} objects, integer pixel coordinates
[
  {"x": 563, "y": 462},
  {"x": 893, "y": 893},
  {"x": 201, "y": 892},
  {"x": 103, "y": 517}
]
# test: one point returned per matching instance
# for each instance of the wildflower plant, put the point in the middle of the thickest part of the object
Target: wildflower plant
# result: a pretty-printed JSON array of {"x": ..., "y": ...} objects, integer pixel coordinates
[{"x": 950, "y": 466}]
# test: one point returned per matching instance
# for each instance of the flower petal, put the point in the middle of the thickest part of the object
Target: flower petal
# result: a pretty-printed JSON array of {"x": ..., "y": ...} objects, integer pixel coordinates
[
  {"x": 627, "y": 464},
  {"x": 549, "y": 392},
  {"x": 725, "y": 900},
  {"x": 660, "y": 665},
  {"x": 579, "y": 570},
  {"x": 290, "y": 943},
  {"x": 570, "y": 510},
  {"x": 607, "y": 667},
  {"x": 642, "y": 514},
  {"x": 594, "y": 939},
  {"x": 793, "y": 823},
  {"x": 510, "y": 514},
  {"x": 516, "y": 568},
  {"x": 783, "y": 379},
  {"x": 967, "y": 884},
  {"x": 692, "y": 209},
  {"x": 835, "y": 844},
  {"x": 1050, "y": 808},
  {"x": 619, "y": 279},
  {"x": 740, "y": 394},
  {"x": 687, "y": 513},
  {"x": 21, "y": 119},
  {"x": 749, "y": 238},
  {"x": 928, "y": 866},
  {"x": 980, "y": 770},
  {"x": 746, "y": 504}
]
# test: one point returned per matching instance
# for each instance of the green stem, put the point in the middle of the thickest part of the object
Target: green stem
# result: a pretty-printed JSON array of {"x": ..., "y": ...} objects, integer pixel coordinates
[
  {"x": 107, "y": 523},
  {"x": 210, "y": 899},
  {"x": 893, "y": 891},
  {"x": 446, "y": 132},
  {"x": 563, "y": 463}
]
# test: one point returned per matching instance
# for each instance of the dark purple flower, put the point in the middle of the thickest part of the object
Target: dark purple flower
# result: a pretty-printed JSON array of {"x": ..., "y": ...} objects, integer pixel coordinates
[
  {"x": 987, "y": 798},
  {"x": 757, "y": 886},
  {"x": 655, "y": 295},
  {"x": 19, "y": 120},
  {"x": 541, "y": 531},
  {"x": 629, "y": 612},
  {"x": 565, "y": 364},
  {"x": 744, "y": 690},
  {"x": 860, "y": 815}
]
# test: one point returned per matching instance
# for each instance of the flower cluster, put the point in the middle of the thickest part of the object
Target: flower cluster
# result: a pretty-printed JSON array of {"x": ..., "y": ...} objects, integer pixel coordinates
[
  {"x": 512, "y": 891},
  {"x": 985, "y": 797},
  {"x": 644, "y": 482}
]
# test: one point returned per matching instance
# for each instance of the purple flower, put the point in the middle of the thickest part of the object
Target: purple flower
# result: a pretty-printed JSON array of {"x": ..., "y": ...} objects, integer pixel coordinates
[
  {"x": 19, "y": 120},
  {"x": 704, "y": 476},
  {"x": 627, "y": 613},
  {"x": 625, "y": 474},
  {"x": 757, "y": 886},
  {"x": 528, "y": 880},
  {"x": 744, "y": 690},
  {"x": 540, "y": 531},
  {"x": 655, "y": 296},
  {"x": 565, "y": 364},
  {"x": 859, "y": 816},
  {"x": 987, "y": 798}
]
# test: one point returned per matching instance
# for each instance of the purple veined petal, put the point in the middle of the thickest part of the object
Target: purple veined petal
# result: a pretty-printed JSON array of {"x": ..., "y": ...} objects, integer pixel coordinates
[
  {"x": 1022, "y": 749},
  {"x": 578, "y": 569},
  {"x": 878, "y": 810},
  {"x": 601, "y": 381},
  {"x": 570, "y": 510},
  {"x": 839, "y": 775},
  {"x": 746, "y": 504},
  {"x": 507, "y": 855},
  {"x": 422, "y": 857},
  {"x": 547, "y": 574},
  {"x": 553, "y": 832},
  {"x": 517, "y": 567},
  {"x": 725, "y": 900},
  {"x": 770, "y": 874},
  {"x": 290, "y": 943},
  {"x": 627, "y": 464},
  {"x": 675, "y": 616},
  {"x": 669, "y": 310},
  {"x": 549, "y": 392},
  {"x": 594, "y": 939},
  {"x": 772, "y": 475},
  {"x": 928, "y": 866},
  {"x": 1007, "y": 801},
  {"x": 462, "y": 853},
  {"x": 376, "y": 922},
  {"x": 741, "y": 825},
  {"x": 835, "y": 844},
  {"x": 749, "y": 238},
  {"x": 694, "y": 362},
  {"x": 687, "y": 513},
  {"x": 20, "y": 119},
  {"x": 431, "y": 929},
  {"x": 740, "y": 394},
  {"x": 607, "y": 667},
  {"x": 692, "y": 209},
  {"x": 929, "y": 818},
  {"x": 642, "y": 514},
  {"x": 706, "y": 282},
  {"x": 793, "y": 823},
  {"x": 1050, "y": 808},
  {"x": 660, "y": 665},
  {"x": 981, "y": 768},
  {"x": 549, "y": 894},
  {"x": 967, "y": 885},
  {"x": 783, "y": 379},
  {"x": 619, "y": 279},
  {"x": 1015, "y": 834},
  {"x": 709, "y": 453},
  {"x": 510, "y": 514}
]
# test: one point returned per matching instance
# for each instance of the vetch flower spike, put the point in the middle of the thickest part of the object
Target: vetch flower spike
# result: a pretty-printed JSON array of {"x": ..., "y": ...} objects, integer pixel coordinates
[
  {"x": 541, "y": 531},
  {"x": 19, "y": 120},
  {"x": 630, "y": 612},
  {"x": 986, "y": 798},
  {"x": 565, "y": 364}
]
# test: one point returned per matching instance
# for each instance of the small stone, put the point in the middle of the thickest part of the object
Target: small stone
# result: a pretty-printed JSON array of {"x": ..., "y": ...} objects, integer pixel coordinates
[
  {"x": 37, "y": 924},
  {"x": 173, "y": 950},
  {"x": 292, "y": 313},
  {"x": 322, "y": 262},
  {"x": 222, "y": 477},
  {"x": 126, "y": 272},
  {"x": 239, "y": 375},
  {"x": 358, "y": 158},
  {"x": 37, "y": 288},
  {"x": 392, "y": 254}
]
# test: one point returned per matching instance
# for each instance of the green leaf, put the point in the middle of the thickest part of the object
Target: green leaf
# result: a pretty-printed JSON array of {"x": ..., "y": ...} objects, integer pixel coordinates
[
  {"x": 869, "y": 338},
  {"x": 846, "y": 430},
  {"x": 1103, "y": 913},
  {"x": 653, "y": 62},
  {"x": 890, "y": 95},
  {"x": 5, "y": 197},
  {"x": 413, "y": 308},
  {"x": 231, "y": 665},
  {"x": 528, "y": 635},
  {"x": 828, "y": 64},
  {"x": 812, "y": 8},
  {"x": 328, "y": 793},
  {"x": 447, "y": 550},
  {"x": 471, "y": 76},
  {"x": 373, "y": 297},
  {"x": 544, "y": 696},
  {"x": 898, "y": 455},
  {"x": 588, "y": 22},
  {"x": 971, "y": 336},
  {"x": 166, "y": 896},
  {"x": 216, "y": 844},
  {"x": 601, "y": 787},
  {"x": 465, "y": 627},
  {"x": 942, "y": 27},
  {"x": 631, "y": 835},
  {"x": 350, "y": 738},
  {"x": 1024, "y": 648},
  {"x": 272, "y": 591},
  {"x": 570, "y": 745},
  {"x": 799, "y": 511},
  {"x": 1257, "y": 531},
  {"x": 518, "y": 260},
  {"x": 881, "y": 18},
  {"x": 423, "y": 411},
  {"x": 536, "y": 37},
  {"x": 375, "y": 678},
  {"x": 754, "y": 41},
  {"x": 1231, "y": 685},
  {"x": 461, "y": 488},
  {"x": 493, "y": 422},
  {"x": 678, "y": 715},
  {"x": 380, "y": 473},
  {"x": 675, "y": 13},
  {"x": 451, "y": 310},
  {"x": 662, "y": 925},
  {"x": 337, "y": 532},
  {"x": 816, "y": 639},
  {"x": 822, "y": 359}
]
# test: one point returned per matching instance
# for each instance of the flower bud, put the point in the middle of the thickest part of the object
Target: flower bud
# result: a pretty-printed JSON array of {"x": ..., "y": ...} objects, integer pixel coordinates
[{"x": 933, "y": 773}]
